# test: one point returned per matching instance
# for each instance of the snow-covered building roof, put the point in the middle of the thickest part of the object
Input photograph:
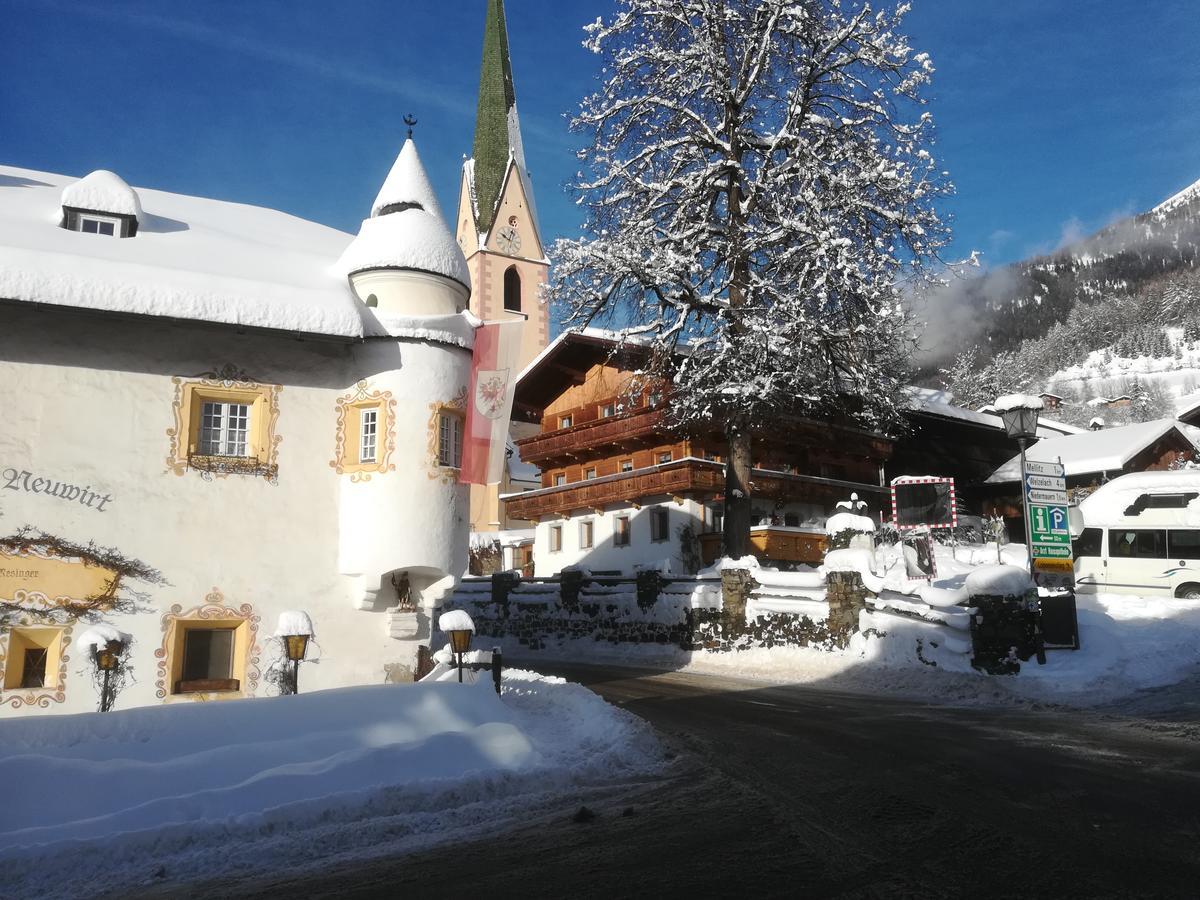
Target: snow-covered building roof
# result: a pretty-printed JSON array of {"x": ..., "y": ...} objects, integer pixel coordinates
[
  {"x": 406, "y": 229},
  {"x": 197, "y": 259},
  {"x": 941, "y": 403},
  {"x": 103, "y": 191},
  {"x": 192, "y": 258},
  {"x": 1108, "y": 450}
]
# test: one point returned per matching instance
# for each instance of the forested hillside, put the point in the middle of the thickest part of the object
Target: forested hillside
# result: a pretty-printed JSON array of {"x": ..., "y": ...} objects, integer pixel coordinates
[{"x": 1118, "y": 312}]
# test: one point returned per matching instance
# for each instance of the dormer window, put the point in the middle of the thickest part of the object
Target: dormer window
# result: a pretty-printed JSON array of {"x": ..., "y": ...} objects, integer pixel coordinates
[
  {"x": 101, "y": 203},
  {"x": 90, "y": 223}
]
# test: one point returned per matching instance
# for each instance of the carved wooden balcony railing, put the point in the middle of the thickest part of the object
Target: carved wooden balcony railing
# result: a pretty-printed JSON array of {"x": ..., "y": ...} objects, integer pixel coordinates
[
  {"x": 640, "y": 428},
  {"x": 682, "y": 478}
]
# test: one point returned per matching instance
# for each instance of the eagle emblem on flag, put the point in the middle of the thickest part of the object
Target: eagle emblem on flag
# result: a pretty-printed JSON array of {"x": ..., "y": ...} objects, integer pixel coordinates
[{"x": 491, "y": 388}]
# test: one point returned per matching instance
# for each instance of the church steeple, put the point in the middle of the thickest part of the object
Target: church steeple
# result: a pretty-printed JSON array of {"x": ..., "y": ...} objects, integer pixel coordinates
[{"x": 497, "y": 128}]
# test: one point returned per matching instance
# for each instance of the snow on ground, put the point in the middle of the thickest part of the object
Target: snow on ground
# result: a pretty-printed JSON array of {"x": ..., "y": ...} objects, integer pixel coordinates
[{"x": 182, "y": 791}]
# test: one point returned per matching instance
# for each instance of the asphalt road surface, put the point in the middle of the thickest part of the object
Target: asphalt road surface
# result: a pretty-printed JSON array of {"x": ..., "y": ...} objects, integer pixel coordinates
[{"x": 798, "y": 791}]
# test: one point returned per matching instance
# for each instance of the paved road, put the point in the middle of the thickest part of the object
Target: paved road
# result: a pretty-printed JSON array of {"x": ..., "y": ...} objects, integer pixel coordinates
[{"x": 791, "y": 791}]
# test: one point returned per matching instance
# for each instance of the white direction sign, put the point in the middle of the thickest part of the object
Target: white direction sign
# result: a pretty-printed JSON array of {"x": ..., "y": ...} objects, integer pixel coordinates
[
  {"x": 1045, "y": 483},
  {"x": 1054, "y": 470},
  {"x": 1054, "y": 498}
]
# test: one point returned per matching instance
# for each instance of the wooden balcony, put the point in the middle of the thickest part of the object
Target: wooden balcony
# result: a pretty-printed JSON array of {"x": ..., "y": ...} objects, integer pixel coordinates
[
  {"x": 684, "y": 477},
  {"x": 773, "y": 543},
  {"x": 599, "y": 437},
  {"x": 698, "y": 478}
]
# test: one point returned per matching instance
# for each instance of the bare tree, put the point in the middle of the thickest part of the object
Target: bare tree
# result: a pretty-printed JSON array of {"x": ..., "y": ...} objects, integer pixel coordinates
[{"x": 760, "y": 195}]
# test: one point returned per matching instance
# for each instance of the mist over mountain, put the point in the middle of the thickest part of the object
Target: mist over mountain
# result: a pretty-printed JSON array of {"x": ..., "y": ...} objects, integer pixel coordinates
[
  {"x": 1115, "y": 313},
  {"x": 1153, "y": 255}
]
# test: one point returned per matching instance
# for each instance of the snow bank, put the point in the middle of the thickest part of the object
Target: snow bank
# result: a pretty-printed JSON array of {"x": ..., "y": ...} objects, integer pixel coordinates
[
  {"x": 998, "y": 581},
  {"x": 456, "y": 620},
  {"x": 294, "y": 621},
  {"x": 103, "y": 191},
  {"x": 256, "y": 786},
  {"x": 849, "y": 522},
  {"x": 96, "y": 637}
]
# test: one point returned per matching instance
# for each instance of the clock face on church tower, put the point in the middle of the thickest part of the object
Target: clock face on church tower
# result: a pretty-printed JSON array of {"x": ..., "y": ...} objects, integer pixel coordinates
[{"x": 508, "y": 240}]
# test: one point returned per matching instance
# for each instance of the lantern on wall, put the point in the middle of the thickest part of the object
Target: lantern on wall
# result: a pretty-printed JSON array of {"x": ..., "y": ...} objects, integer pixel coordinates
[{"x": 294, "y": 632}]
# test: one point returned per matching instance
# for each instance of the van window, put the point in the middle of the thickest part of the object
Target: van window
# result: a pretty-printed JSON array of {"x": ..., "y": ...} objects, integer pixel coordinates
[
  {"x": 1088, "y": 543},
  {"x": 1184, "y": 543},
  {"x": 1142, "y": 543}
]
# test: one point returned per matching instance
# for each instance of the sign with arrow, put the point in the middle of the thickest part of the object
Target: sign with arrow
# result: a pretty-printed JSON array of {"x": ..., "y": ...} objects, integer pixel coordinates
[
  {"x": 1052, "y": 498},
  {"x": 1054, "y": 470},
  {"x": 1045, "y": 483}
]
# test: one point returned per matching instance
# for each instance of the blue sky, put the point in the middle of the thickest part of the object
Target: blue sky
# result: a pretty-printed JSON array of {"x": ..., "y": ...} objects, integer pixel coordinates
[{"x": 1054, "y": 117}]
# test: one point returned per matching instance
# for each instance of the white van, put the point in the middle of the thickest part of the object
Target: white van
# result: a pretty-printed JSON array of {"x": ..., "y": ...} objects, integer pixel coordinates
[{"x": 1141, "y": 535}]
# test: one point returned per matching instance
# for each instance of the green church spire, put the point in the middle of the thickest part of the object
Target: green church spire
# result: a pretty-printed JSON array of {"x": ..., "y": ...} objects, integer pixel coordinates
[{"x": 497, "y": 130}]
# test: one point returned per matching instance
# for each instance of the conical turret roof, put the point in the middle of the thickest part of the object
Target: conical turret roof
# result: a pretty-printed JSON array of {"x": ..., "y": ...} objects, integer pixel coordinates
[
  {"x": 407, "y": 182},
  {"x": 406, "y": 229}
]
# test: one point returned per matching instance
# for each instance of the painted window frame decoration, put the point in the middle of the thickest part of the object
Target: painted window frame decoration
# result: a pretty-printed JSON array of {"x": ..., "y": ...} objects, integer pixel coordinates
[
  {"x": 213, "y": 614},
  {"x": 456, "y": 406},
  {"x": 58, "y": 638},
  {"x": 227, "y": 385},
  {"x": 349, "y": 434}
]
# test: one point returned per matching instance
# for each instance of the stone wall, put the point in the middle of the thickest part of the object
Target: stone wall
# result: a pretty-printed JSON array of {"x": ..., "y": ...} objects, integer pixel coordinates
[{"x": 690, "y": 614}]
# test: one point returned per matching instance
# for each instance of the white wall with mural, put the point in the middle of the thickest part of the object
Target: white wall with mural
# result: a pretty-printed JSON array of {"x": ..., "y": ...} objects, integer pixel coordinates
[{"x": 218, "y": 416}]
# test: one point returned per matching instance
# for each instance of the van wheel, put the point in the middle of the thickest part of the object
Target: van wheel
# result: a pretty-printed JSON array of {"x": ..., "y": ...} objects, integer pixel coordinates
[{"x": 1188, "y": 592}]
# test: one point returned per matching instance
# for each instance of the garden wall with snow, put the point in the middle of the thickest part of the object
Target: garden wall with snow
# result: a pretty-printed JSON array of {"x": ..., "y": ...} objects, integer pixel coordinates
[{"x": 735, "y": 606}]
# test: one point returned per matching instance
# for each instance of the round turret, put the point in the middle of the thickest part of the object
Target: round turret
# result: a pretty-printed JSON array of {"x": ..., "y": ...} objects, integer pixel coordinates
[{"x": 404, "y": 260}]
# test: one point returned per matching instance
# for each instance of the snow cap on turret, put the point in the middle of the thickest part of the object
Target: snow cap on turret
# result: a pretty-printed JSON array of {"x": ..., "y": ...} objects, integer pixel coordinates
[
  {"x": 406, "y": 184},
  {"x": 406, "y": 229}
]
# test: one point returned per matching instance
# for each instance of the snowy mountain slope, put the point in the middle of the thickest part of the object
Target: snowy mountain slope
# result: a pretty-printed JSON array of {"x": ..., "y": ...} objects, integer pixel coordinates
[
  {"x": 1155, "y": 254},
  {"x": 1187, "y": 195}
]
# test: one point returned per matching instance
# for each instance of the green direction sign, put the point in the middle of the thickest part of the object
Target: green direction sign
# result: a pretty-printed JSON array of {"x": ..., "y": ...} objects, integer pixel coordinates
[
  {"x": 1051, "y": 551},
  {"x": 1049, "y": 529}
]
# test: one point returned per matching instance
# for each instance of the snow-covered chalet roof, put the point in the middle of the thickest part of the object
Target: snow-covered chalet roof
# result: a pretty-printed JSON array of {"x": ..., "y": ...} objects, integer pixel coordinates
[
  {"x": 1107, "y": 450},
  {"x": 192, "y": 258},
  {"x": 406, "y": 229},
  {"x": 103, "y": 191},
  {"x": 941, "y": 403}
]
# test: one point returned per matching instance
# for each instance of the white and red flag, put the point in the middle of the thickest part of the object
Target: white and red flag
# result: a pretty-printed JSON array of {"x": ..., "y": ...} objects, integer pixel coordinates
[{"x": 489, "y": 401}]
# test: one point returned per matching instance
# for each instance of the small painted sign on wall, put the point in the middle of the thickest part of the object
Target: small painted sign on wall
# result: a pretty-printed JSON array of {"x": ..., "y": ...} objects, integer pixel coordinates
[{"x": 33, "y": 579}]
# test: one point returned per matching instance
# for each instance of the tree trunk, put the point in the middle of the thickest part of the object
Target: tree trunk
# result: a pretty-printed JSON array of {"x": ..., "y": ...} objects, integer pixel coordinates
[{"x": 737, "y": 492}]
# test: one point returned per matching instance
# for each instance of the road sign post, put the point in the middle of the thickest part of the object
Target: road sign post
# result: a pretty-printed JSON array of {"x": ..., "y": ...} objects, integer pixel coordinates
[{"x": 1047, "y": 525}]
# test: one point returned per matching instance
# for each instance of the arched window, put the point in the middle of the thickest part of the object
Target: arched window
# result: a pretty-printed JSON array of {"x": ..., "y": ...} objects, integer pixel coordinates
[{"x": 512, "y": 289}]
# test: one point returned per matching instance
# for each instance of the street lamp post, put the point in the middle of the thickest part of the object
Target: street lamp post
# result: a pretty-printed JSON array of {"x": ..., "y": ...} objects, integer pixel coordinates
[
  {"x": 107, "y": 660},
  {"x": 296, "y": 646},
  {"x": 1019, "y": 412},
  {"x": 460, "y": 643}
]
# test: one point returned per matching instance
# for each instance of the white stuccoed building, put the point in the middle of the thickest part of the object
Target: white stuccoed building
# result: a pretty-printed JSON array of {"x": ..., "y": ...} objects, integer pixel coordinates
[{"x": 265, "y": 412}]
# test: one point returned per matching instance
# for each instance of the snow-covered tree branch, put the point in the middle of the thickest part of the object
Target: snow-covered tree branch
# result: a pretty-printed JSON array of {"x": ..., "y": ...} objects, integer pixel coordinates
[{"x": 760, "y": 193}]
